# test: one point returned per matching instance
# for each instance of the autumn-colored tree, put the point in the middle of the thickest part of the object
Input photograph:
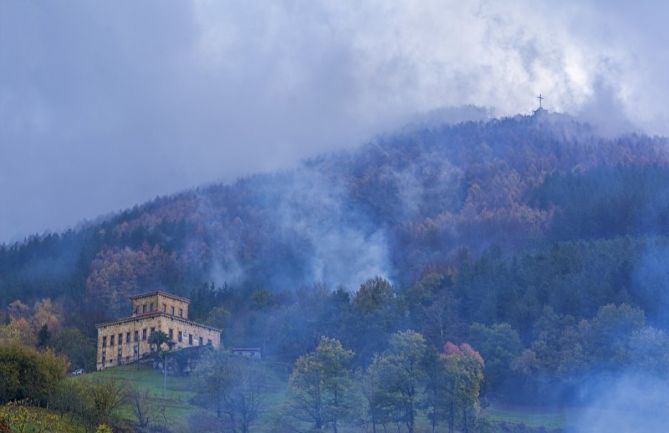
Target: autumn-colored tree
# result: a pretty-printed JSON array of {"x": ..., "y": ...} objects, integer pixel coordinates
[
  {"x": 46, "y": 312},
  {"x": 462, "y": 370},
  {"x": 117, "y": 273},
  {"x": 18, "y": 331}
]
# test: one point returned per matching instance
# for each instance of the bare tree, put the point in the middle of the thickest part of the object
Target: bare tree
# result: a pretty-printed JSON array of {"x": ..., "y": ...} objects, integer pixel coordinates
[{"x": 143, "y": 406}]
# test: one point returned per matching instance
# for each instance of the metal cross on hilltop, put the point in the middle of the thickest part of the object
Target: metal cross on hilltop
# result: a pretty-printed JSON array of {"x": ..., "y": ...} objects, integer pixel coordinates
[{"x": 540, "y": 98}]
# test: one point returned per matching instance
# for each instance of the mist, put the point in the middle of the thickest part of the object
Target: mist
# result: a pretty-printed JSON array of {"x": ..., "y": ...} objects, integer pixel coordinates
[
  {"x": 625, "y": 404},
  {"x": 105, "y": 106}
]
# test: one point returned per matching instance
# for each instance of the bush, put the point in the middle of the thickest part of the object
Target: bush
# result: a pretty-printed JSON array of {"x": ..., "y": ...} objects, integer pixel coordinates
[
  {"x": 18, "y": 417},
  {"x": 26, "y": 373},
  {"x": 105, "y": 397},
  {"x": 103, "y": 428},
  {"x": 70, "y": 396}
]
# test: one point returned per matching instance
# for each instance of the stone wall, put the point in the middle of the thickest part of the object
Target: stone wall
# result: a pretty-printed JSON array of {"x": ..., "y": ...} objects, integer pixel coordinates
[
  {"x": 162, "y": 303},
  {"x": 134, "y": 333}
]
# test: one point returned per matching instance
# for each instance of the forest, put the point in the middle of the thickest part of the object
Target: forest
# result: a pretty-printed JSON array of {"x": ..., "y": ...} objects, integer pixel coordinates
[{"x": 408, "y": 282}]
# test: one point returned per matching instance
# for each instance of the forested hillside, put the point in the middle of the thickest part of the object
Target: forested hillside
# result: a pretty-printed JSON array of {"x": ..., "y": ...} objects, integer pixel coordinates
[{"x": 532, "y": 238}]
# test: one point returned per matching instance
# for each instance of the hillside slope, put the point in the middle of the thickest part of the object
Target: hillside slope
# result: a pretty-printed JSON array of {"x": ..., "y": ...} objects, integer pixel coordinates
[{"x": 395, "y": 207}]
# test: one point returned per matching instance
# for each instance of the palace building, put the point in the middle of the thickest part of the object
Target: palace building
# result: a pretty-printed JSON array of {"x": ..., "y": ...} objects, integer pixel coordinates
[{"x": 126, "y": 340}]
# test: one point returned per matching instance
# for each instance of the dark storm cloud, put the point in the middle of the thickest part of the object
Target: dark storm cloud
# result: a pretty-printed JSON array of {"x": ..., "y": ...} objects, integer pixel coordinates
[{"x": 106, "y": 104}]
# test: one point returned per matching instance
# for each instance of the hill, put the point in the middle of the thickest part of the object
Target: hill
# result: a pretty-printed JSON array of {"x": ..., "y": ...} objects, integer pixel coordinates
[
  {"x": 342, "y": 218},
  {"x": 532, "y": 229}
]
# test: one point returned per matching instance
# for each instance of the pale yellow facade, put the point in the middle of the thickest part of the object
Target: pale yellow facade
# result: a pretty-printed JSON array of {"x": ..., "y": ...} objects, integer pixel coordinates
[{"x": 127, "y": 340}]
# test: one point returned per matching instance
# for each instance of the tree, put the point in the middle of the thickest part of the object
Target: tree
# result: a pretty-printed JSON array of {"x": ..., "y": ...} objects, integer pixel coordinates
[
  {"x": 376, "y": 314},
  {"x": 78, "y": 348},
  {"x": 463, "y": 370},
  {"x": 17, "y": 331},
  {"x": 157, "y": 339},
  {"x": 71, "y": 396},
  {"x": 245, "y": 400},
  {"x": 500, "y": 345},
  {"x": 142, "y": 406},
  {"x": 215, "y": 377},
  {"x": 236, "y": 387},
  {"x": 320, "y": 385},
  {"x": 43, "y": 336},
  {"x": 218, "y": 317},
  {"x": 47, "y": 313},
  {"x": 378, "y": 393},
  {"x": 400, "y": 372},
  {"x": 607, "y": 334},
  {"x": 372, "y": 295},
  {"x": 26, "y": 373},
  {"x": 105, "y": 397},
  {"x": 436, "y": 390}
]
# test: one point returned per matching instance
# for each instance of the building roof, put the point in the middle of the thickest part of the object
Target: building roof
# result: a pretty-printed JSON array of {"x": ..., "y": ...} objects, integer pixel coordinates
[
  {"x": 161, "y": 293},
  {"x": 152, "y": 315}
]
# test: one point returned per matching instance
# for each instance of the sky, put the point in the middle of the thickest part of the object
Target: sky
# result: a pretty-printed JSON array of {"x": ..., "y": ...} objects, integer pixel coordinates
[{"x": 104, "y": 105}]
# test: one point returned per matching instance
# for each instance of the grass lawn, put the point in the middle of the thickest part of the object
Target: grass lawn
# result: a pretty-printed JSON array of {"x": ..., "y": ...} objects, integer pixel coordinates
[
  {"x": 175, "y": 399},
  {"x": 550, "y": 418}
]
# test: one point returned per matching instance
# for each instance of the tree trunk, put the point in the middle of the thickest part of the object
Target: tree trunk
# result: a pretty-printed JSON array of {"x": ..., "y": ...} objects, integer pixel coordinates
[{"x": 451, "y": 418}]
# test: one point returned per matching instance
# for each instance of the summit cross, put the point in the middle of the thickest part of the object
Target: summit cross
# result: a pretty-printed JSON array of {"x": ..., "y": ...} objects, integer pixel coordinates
[{"x": 540, "y": 98}]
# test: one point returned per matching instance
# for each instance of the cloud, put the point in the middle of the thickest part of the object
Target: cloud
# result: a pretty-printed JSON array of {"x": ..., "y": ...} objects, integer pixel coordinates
[{"x": 103, "y": 105}]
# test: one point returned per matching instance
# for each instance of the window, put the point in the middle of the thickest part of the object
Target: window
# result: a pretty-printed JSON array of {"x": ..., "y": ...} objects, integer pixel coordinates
[
  {"x": 181, "y": 337},
  {"x": 127, "y": 337},
  {"x": 173, "y": 310},
  {"x": 143, "y": 308},
  {"x": 152, "y": 330},
  {"x": 181, "y": 312},
  {"x": 136, "y": 335},
  {"x": 164, "y": 308},
  {"x": 171, "y": 333},
  {"x": 144, "y": 334},
  {"x": 104, "y": 341},
  {"x": 111, "y": 340},
  {"x": 137, "y": 309},
  {"x": 201, "y": 341},
  {"x": 190, "y": 339},
  {"x": 208, "y": 341},
  {"x": 120, "y": 339},
  {"x": 151, "y": 307}
]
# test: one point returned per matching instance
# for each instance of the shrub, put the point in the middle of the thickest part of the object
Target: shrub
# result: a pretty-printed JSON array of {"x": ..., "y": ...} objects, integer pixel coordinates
[
  {"x": 26, "y": 373},
  {"x": 103, "y": 428}
]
